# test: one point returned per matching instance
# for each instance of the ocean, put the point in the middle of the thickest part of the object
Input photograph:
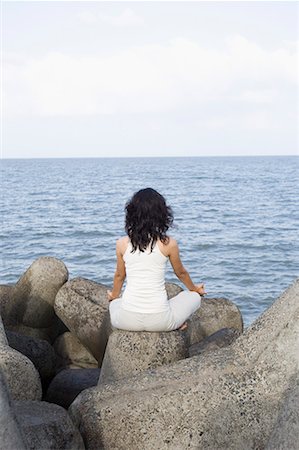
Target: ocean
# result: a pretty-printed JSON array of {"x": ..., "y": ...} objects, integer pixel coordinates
[{"x": 235, "y": 219}]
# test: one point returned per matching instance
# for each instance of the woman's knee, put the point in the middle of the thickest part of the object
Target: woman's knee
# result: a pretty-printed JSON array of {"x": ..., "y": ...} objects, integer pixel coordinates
[
  {"x": 196, "y": 297},
  {"x": 193, "y": 296}
]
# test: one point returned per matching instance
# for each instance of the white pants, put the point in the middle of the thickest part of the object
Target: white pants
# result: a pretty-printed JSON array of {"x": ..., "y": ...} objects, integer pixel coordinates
[{"x": 181, "y": 307}]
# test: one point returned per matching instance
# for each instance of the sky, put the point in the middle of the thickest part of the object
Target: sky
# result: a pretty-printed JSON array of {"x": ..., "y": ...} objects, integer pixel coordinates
[{"x": 125, "y": 79}]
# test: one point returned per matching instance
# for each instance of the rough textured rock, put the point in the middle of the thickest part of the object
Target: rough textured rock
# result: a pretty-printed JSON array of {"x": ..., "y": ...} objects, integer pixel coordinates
[
  {"x": 172, "y": 289},
  {"x": 34, "y": 294},
  {"x": 21, "y": 376},
  {"x": 285, "y": 433},
  {"x": 6, "y": 291},
  {"x": 11, "y": 437},
  {"x": 39, "y": 351},
  {"x": 71, "y": 353},
  {"x": 47, "y": 426},
  {"x": 129, "y": 352},
  {"x": 48, "y": 334},
  {"x": 229, "y": 398},
  {"x": 83, "y": 306},
  {"x": 3, "y": 337},
  {"x": 213, "y": 315},
  {"x": 221, "y": 338},
  {"x": 68, "y": 383},
  {"x": 36, "y": 333}
]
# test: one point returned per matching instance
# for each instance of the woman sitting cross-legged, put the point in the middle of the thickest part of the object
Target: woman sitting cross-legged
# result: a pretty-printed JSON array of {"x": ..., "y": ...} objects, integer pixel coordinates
[{"x": 141, "y": 257}]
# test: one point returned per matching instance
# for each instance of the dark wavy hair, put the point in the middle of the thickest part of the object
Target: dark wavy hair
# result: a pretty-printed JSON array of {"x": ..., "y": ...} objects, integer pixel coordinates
[{"x": 147, "y": 219}]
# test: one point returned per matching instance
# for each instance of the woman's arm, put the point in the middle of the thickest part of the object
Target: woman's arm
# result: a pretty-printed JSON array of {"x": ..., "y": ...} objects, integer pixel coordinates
[
  {"x": 179, "y": 269},
  {"x": 120, "y": 273}
]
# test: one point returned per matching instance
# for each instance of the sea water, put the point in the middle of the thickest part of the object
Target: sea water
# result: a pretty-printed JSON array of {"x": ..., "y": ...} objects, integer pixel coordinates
[{"x": 235, "y": 219}]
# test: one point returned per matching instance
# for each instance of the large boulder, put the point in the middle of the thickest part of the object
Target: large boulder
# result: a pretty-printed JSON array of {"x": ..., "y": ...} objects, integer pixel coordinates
[
  {"x": 213, "y": 315},
  {"x": 6, "y": 291},
  {"x": 48, "y": 334},
  {"x": 130, "y": 352},
  {"x": 47, "y": 426},
  {"x": 172, "y": 289},
  {"x": 71, "y": 353},
  {"x": 83, "y": 306},
  {"x": 32, "y": 298},
  {"x": 11, "y": 437},
  {"x": 3, "y": 337},
  {"x": 228, "y": 398},
  {"x": 21, "y": 376},
  {"x": 285, "y": 433},
  {"x": 68, "y": 383},
  {"x": 39, "y": 351},
  {"x": 221, "y": 338}
]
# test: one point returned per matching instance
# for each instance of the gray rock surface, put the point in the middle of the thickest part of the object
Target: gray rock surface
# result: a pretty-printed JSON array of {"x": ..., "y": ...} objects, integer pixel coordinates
[
  {"x": 68, "y": 383},
  {"x": 11, "y": 437},
  {"x": 83, "y": 306},
  {"x": 226, "y": 399},
  {"x": 221, "y": 338},
  {"x": 172, "y": 289},
  {"x": 47, "y": 426},
  {"x": 49, "y": 334},
  {"x": 6, "y": 291},
  {"x": 36, "y": 333},
  {"x": 3, "y": 337},
  {"x": 129, "y": 352},
  {"x": 39, "y": 351},
  {"x": 34, "y": 294},
  {"x": 71, "y": 353},
  {"x": 21, "y": 376},
  {"x": 213, "y": 315},
  {"x": 285, "y": 433}
]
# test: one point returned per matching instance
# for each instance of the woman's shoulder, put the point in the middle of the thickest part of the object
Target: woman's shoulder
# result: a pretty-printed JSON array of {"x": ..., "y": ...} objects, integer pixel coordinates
[
  {"x": 170, "y": 242},
  {"x": 123, "y": 239},
  {"x": 168, "y": 246},
  {"x": 122, "y": 243}
]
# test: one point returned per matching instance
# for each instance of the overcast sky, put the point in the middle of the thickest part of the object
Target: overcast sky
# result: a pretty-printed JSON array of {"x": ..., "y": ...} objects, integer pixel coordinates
[{"x": 149, "y": 78}]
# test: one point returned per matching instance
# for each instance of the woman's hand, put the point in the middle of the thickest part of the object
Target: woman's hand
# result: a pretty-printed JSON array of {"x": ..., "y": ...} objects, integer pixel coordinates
[
  {"x": 110, "y": 296},
  {"x": 200, "y": 289}
]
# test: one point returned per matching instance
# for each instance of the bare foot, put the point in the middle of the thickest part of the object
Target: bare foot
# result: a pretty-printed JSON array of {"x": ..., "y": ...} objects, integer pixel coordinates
[{"x": 183, "y": 326}]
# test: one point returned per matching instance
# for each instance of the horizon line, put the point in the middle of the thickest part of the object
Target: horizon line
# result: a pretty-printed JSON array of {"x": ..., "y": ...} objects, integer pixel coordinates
[{"x": 163, "y": 156}]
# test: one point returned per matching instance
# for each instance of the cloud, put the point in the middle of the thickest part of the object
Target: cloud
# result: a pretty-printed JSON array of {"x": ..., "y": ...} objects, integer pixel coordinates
[
  {"x": 244, "y": 121},
  {"x": 177, "y": 75},
  {"x": 258, "y": 96},
  {"x": 127, "y": 18}
]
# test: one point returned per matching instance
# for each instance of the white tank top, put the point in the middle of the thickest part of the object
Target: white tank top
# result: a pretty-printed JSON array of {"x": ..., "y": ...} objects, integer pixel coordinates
[{"x": 145, "y": 287}]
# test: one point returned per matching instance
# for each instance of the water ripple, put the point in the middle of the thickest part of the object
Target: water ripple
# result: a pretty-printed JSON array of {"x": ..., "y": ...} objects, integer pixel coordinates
[{"x": 236, "y": 222}]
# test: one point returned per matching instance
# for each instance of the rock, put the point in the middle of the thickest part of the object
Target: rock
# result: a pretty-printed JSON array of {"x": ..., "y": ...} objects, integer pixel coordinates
[
  {"x": 285, "y": 434},
  {"x": 172, "y": 289},
  {"x": 11, "y": 437},
  {"x": 226, "y": 399},
  {"x": 130, "y": 352},
  {"x": 39, "y": 351},
  {"x": 48, "y": 334},
  {"x": 47, "y": 426},
  {"x": 83, "y": 306},
  {"x": 35, "y": 333},
  {"x": 6, "y": 291},
  {"x": 3, "y": 337},
  {"x": 221, "y": 338},
  {"x": 72, "y": 353},
  {"x": 21, "y": 376},
  {"x": 34, "y": 294},
  {"x": 68, "y": 383},
  {"x": 213, "y": 315}
]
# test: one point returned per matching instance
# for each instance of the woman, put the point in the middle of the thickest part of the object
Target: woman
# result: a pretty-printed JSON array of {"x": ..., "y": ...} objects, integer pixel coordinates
[{"x": 142, "y": 256}]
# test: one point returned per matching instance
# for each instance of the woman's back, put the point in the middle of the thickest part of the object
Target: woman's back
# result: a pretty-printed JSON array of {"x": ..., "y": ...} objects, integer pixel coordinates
[{"x": 145, "y": 289}]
